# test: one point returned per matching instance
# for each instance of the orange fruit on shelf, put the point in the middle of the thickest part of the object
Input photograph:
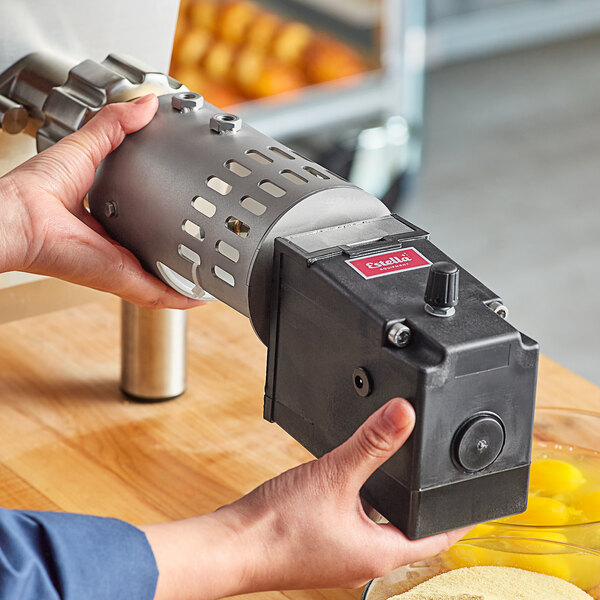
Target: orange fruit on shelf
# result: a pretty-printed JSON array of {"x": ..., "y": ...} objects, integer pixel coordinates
[
  {"x": 218, "y": 60},
  {"x": 247, "y": 68},
  {"x": 262, "y": 30},
  {"x": 192, "y": 46},
  {"x": 203, "y": 14},
  {"x": 234, "y": 18},
  {"x": 258, "y": 75},
  {"x": 291, "y": 41},
  {"x": 221, "y": 95},
  {"x": 276, "y": 78},
  {"x": 327, "y": 59},
  {"x": 214, "y": 92}
]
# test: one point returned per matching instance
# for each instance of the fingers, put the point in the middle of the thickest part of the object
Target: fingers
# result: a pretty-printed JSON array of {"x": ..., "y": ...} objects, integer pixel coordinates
[
  {"x": 69, "y": 166},
  {"x": 87, "y": 258},
  {"x": 377, "y": 440},
  {"x": 413, "y": 551}
]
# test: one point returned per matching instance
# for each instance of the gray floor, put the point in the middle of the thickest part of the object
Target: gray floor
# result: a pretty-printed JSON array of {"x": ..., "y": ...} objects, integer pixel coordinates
[{"x": 510, "y": 188}]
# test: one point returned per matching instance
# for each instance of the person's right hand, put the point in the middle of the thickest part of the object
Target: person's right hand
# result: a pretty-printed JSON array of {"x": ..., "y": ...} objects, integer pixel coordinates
[
  {"x": 304, "y": 529},
  {"x": 45, "y": 229}
]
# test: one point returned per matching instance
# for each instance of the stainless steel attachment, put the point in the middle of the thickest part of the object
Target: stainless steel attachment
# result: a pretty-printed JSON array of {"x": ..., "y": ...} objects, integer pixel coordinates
[{"x": 214, "y": 195}]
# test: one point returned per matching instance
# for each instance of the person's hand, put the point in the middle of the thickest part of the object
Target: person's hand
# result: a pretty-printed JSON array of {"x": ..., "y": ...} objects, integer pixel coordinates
[
  {"x": 306, "y": 528},
  {"x": 45, "y": 229}
]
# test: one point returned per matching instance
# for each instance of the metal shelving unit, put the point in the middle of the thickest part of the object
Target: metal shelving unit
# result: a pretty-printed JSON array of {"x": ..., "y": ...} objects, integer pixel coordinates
[{"x": 378, "y": 114}]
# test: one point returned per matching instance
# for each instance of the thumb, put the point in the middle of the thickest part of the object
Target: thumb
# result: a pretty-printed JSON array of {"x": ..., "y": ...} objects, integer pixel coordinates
[
  {"x": 374, "y": 442},
  {"x": 70, "y": 165}
]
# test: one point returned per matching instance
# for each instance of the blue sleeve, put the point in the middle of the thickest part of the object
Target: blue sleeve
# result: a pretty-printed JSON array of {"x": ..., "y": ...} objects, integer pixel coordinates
[{"x": 58, "y": 556}]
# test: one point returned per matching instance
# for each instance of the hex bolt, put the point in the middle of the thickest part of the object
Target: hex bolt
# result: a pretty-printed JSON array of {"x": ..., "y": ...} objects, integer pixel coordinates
[
  {"x": 225, "y": 123},
  {"x": 499, "y": 309},
  {"x": 186, "y": 102},
  {"x": 399, "y": 335},
  {"x": 110, "y": 209}
]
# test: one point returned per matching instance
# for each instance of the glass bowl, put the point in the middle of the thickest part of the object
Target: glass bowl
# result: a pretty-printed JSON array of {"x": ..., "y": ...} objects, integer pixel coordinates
[
  {"x": 573, "y": 436},
  {"x": 569, "y": 550},
  {"x": 580, "y": 566}
]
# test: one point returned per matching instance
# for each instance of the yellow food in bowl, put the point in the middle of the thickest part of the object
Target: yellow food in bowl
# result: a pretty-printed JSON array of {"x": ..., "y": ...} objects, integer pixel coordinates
[
  {"x": 550, "y": 477},
  {"x": 589, "y": 504},
  {"x": 562, "y": 520},
  {"x": 542, "y": 511}
]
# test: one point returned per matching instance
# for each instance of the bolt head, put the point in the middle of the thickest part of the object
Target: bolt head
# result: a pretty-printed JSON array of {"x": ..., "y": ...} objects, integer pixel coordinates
[
  {"x": 187, "y": 101},
  {"x": 499, "y": 309},
  {"x": 110, "y": 210},
  {"x": 225, "y": 123},
  {"x": 399, "y": 335}
]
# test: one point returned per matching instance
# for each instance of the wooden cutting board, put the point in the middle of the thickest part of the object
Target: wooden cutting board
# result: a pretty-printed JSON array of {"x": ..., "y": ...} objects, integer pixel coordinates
[{"x": 70, "y": 441}]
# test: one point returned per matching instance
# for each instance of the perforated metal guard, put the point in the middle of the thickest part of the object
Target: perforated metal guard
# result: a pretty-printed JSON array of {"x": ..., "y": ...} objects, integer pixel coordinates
[{"x": 201, "y": 209}]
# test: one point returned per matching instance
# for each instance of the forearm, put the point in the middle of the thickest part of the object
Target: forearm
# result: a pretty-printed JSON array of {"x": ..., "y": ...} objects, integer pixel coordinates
[{"x": 211, "y": 556}]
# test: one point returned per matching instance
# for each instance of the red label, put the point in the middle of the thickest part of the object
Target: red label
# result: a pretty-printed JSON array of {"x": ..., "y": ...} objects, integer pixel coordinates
[{"x": 388, "y": 263}]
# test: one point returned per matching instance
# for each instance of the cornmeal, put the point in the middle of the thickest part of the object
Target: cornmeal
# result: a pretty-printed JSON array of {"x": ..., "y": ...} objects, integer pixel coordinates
[{"x": 494, "y": 583}]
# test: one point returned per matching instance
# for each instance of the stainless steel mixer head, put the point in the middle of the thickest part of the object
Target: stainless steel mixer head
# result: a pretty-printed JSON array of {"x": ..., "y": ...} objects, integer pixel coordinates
[{"x": 219, "y": 195}]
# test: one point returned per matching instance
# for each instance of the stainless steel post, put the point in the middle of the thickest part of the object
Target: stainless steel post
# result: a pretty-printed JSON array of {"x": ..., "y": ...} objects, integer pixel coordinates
[{"x": 153, "y": 353}]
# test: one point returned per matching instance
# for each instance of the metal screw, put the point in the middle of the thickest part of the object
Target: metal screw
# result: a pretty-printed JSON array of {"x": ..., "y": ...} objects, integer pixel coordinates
[
  {"x": 110, "y": 209},
  {"x": 225, "y": 123},
  {"x": 399, "y": 335},
  {"x": 481, "y": 446},
  {"x": 187, "y": 101},
  {"x": 499, "y": 309}
]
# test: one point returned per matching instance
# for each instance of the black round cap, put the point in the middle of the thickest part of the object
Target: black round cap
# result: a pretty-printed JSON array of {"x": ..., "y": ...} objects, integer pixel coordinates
[
  {"x": 442, "y": 285},
  {"x": 478, "y": 442}
]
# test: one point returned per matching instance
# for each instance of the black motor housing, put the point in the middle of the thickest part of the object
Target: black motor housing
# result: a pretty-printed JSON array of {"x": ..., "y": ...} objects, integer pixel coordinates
[{"x": 471, "y": 377}]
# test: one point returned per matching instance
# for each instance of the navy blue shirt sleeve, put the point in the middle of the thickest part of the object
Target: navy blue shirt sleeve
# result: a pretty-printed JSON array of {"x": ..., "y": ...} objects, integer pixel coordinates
[{"x": 59, "y": 556}]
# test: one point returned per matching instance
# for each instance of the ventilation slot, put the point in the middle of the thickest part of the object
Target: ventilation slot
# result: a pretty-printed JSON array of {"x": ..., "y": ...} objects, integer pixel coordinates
[
  {"x": 188, "y": 254},
  {"x": 193, "y": 230},
  {"x": 235, "y": 167},
  {"x": 220, "y": 186},
  {"x": 223, "y": 275},
  {"x": 271, "y": 188},
  {"x": 203, "y": 206},
  {"x": 259, "y": 157},
  {"x": 281, "y": 152},
  {"x": 238, "y": 227},
  {"x": 316, "y": 173},
  {"x": 253, "y": 206},
  {"x": 228, "y": 251},
  {"x": 294, "y": 177}
]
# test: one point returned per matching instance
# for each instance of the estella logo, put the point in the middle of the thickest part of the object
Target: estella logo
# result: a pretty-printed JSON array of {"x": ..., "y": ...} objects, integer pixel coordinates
[{"x": 389, "y": 262}]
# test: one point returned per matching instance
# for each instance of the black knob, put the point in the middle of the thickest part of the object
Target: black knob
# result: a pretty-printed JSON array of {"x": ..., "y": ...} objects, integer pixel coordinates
[{"x": 441, "y": 293}]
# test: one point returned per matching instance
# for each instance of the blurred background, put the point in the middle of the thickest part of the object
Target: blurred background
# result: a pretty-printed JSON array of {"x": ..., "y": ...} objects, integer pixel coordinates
[{"x": 479, "y": 120}]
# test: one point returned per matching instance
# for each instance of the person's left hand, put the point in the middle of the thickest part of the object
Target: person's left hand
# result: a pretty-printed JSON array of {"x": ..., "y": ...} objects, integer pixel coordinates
[
  {"x": 305, "y": 529},
  {"x": 45, "y": 229}
]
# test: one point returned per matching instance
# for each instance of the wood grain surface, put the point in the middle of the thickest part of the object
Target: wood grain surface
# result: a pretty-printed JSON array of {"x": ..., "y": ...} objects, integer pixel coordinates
[{"x": 70, "y": 441}]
